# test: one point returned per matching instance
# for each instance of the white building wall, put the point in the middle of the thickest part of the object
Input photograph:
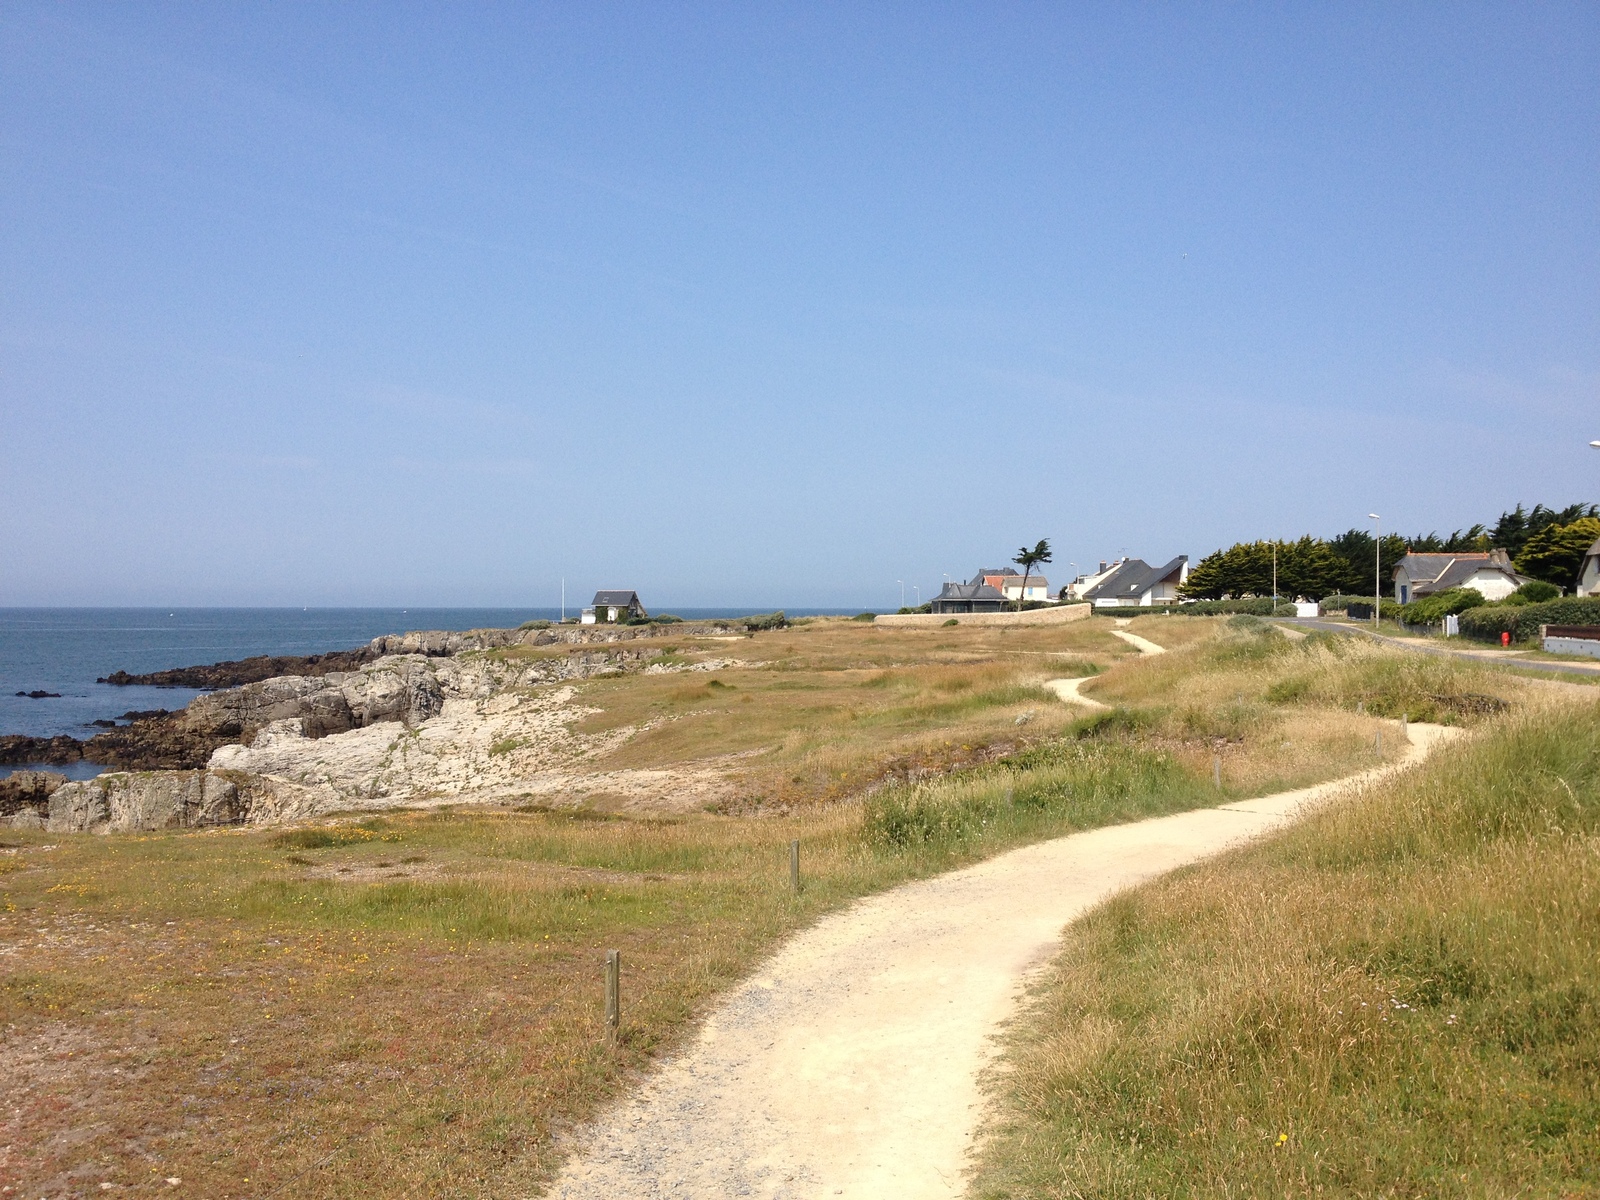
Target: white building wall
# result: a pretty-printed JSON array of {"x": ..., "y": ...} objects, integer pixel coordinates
[
  {"x": 1589, "y": 581},
  {"x": 1492, "y": 584}
]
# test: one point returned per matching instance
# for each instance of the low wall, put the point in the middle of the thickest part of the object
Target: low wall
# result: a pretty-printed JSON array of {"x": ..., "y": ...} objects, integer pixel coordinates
[
  {"x": 1566, "y": 639},
  {"x": 1059, "y": 615}
]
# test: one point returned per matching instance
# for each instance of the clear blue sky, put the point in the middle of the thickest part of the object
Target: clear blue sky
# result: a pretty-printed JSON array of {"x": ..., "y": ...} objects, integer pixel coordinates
[{"x": 759, "y": 304}]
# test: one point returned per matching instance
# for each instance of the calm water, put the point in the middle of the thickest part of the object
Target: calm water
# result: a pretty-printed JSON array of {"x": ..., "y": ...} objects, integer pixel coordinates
[{"x": 66, "y": 649}]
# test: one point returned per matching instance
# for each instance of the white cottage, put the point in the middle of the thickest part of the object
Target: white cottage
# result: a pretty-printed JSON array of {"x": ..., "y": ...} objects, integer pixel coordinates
[
  {"x": 1419, "y": 575},
  {"x": 1589, "y": 573}
]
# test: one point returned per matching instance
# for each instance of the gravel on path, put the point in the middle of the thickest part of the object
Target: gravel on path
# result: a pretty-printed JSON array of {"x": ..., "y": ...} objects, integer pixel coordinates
[{"x": 849, "y": 1064}]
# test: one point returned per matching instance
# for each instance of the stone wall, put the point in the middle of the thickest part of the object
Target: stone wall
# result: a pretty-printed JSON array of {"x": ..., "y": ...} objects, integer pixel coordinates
[{"x": 1058, "y": 615}]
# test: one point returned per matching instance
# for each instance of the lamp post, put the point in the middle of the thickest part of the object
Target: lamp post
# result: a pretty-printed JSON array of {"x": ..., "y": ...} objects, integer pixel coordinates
[{"x": 1377, "y": 568}]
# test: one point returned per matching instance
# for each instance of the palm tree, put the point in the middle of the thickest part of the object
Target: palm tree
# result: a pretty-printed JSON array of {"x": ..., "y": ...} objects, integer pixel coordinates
[{"x": 1028, "y": 560}]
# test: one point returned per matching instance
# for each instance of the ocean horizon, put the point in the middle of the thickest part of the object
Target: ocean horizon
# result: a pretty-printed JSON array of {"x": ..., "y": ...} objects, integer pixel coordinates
[{"x": 65, "y": 650}]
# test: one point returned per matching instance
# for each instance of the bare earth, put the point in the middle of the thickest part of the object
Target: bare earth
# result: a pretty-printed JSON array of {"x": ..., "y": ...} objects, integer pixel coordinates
[{"x": 849, "y": 1065}]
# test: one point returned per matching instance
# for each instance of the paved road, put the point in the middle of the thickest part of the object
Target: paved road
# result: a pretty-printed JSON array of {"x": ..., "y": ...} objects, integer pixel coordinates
[
  {"x": 849, "y": 1065},
  {"x": 1494, "y": 658}
]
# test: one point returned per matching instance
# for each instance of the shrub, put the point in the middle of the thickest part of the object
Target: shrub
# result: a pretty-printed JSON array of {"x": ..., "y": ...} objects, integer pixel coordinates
[
  {"x": 666, "y": 619},
  {"x": 1361, "y": 610},
  {"x": 1441, "y": 605},
  {"x": 762, "y": 621},
  {"x": 1522, "y": 621},
  {"x": 1537, "y": 591},
  {"x": 952, "y": 621},
  {"x": 865, "y": 616},
  {"x": 1341, "y": 603},
  {"x": 534, "y": 625},
  {"x": 921, "y": 608}
]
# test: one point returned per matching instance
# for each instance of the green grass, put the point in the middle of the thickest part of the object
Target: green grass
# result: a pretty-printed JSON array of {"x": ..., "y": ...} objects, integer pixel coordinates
[{"x": 1398, "y": 997}]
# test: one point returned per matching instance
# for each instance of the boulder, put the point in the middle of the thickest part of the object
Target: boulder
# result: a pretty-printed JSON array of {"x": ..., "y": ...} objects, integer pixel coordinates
[
  {"x": 130, "y": 801},
  {"x": 28, "y": 791}
]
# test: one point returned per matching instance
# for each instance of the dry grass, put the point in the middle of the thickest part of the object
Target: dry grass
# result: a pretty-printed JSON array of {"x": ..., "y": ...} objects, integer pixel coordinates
[
  {"x": 825, "y": 709},
  {"x": 1398, "y": 998},
  {"x": 410, "y": 1006}
]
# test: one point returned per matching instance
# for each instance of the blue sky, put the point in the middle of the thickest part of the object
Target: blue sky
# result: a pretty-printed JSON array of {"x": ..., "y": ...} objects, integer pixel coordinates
[{"x": 763, "y": 304}]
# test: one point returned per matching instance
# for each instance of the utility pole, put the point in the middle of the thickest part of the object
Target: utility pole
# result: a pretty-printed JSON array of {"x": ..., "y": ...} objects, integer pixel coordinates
[
  {"x": 1274, "y": 578},
  {"x": 563, "y": 599},
  {"x": 1377, "y": 567},
  {"x": 902, "y": 584}
]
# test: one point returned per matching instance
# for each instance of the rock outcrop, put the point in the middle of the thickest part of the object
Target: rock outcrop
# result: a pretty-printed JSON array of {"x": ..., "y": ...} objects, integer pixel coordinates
[
  {"x": 125, "y": 802},
  {"x": 25, "y": 795},
  {"x": 443, "y": 719},
  {"x": 234, "y": 673}
]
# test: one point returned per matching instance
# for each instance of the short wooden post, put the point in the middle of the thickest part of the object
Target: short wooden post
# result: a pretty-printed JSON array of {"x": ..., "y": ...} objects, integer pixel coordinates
[
  {"x": 613, "y": 993},
  {"x": 1216, "y": 770},
  {"x": 1377, "y": 743},
  {"x": 794, "y": 866}
]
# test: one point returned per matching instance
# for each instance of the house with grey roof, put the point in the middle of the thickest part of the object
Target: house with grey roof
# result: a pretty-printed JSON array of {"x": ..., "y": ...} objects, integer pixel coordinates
[
  {"x": 1134, "y": 583},
  {"x": 1419, "y": 575},
  {"x": 613, "y": 606},
  {"x": 1589, "y": 573},
  {"x": 1010, "y": 584},
  {"x": 976, "y": 597}
]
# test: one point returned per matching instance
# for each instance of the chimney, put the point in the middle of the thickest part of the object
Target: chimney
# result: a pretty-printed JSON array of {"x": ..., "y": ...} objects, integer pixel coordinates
[
  {"x": 1102, "y": 570},
  {"x": 1500, "y": 558}
]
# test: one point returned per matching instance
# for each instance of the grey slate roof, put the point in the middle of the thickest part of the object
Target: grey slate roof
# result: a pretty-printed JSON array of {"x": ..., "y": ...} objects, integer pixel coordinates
[
  {"x": 969, "y": 591},
  {"x": 1134, "y": 578},
  {"x": 1437, "y": 572},
  {"x": 615, "y": 599}
]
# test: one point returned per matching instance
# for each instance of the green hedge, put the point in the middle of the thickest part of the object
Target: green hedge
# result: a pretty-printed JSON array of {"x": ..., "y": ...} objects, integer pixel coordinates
[
  {"x": 1361, "y": 610},
  {"x": 1441, "y": 605},
  {"x": 1252, "y": 606},
  {"x": 1522, "y": 621},
  {"x": 1342, "y": 602}
]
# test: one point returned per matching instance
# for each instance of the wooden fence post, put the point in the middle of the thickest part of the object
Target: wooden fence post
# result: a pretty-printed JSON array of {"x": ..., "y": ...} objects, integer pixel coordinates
[
  {"x": 613, "y": 993},
  {"x": 1216, "y": 770},
  {"x": 794, "y": 866}
]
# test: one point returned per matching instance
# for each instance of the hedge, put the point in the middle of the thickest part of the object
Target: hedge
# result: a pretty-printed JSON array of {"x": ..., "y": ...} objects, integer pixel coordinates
[
  {"x": 1522, "y": 621},
  {"x": 1254, "y": 606},
  {"x": 1441, "y": 605}
]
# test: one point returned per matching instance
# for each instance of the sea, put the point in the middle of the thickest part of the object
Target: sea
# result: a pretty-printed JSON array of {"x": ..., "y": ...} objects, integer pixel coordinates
[{"x": 64, "y": 650}]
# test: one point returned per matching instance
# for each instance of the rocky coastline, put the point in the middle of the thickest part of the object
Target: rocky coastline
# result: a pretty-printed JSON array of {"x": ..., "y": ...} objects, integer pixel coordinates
[
  {"x": 420, "y": 714},
  {"x": 235, "y": 673}
]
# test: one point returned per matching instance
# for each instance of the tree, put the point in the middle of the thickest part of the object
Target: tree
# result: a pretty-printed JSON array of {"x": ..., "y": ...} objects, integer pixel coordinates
[
  {"x": 1555, "y": 553},
  {"x": 1354, "y": 548},
  {"x": 1028, "y": 560}
]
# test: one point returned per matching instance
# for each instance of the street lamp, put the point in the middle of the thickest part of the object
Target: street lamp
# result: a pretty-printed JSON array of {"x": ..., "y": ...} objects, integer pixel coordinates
[{"x": 1377, "y": 569}]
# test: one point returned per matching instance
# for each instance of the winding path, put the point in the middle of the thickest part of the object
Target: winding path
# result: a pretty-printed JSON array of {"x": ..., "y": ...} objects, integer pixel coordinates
[{"x": 848, "y": 1065}]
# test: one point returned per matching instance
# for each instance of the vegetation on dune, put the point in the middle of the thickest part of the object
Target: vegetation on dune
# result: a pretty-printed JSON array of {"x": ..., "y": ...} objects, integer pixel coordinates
[
  {"x": 1395, "y": 998},
  {"x": 409, "y": 1004}
]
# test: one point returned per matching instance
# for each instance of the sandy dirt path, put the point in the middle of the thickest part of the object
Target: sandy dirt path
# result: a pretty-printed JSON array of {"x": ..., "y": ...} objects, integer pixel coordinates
[
  {"x": 1067, "y": 690},
  {"x": 1144, "y": 645},
  {"x": 848, "y": 1065}
]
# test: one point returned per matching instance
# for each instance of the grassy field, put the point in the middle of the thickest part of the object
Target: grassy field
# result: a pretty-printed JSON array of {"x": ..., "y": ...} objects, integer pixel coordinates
[
  {"x": 1399, "y": 997},
  {"x": 410, "y": 1005}
]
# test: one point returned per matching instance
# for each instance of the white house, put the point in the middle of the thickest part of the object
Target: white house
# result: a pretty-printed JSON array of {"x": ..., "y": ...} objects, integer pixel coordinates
[
  {"x": 613, "y": 606},
  {"x": 1079, "y": 587},
  {"x": 1134, "y": 583},
  {"x": 1038, "y": 588},
  {"x": 1418, "y": 575},
  {"x": 1589, "y": 573}
]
